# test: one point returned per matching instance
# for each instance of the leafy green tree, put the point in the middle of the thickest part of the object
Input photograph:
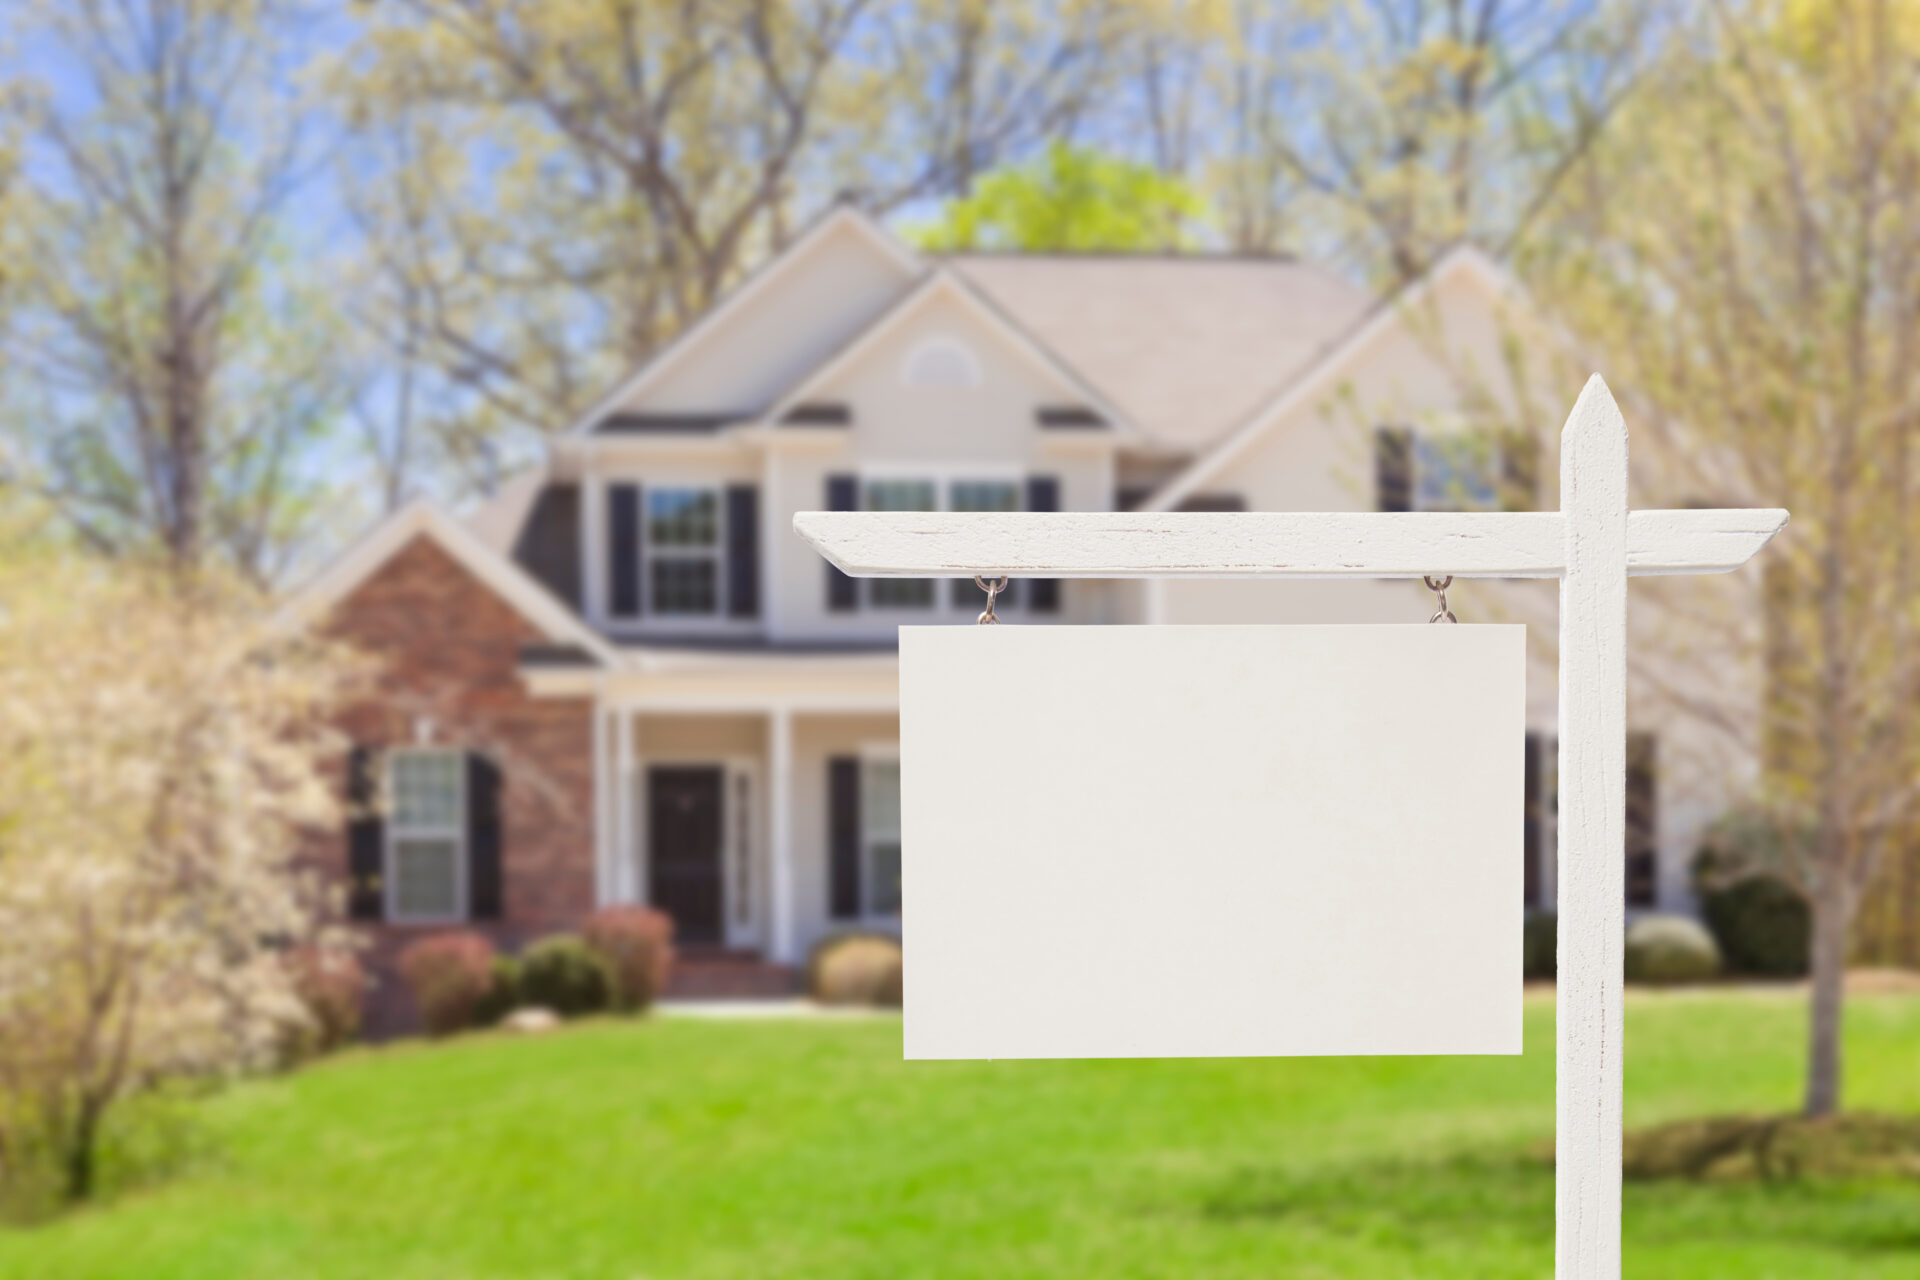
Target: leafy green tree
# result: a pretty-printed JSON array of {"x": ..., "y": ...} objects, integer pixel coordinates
[
  {"x": 1071, "y": 198},
  {"x": 1741, "y": 254}
]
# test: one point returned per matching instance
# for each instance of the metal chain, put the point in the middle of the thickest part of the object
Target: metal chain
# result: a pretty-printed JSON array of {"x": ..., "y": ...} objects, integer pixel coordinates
[
  {"x": 993, "y": 589},
  {"x": 1442, "y": 614}
]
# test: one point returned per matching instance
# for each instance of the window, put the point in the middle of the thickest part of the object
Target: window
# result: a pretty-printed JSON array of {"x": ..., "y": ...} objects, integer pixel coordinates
[
  {"x": 1458, "y": 470},
  {"x": 880, "y": 836},
  {"x": 901, "y": 495},
  {"x": 426, "y": 836},
  {"x": 926, "y": 494},
  {"x": 1455, "y": 472},
  {"x": 941, "y": 362},
  {"x": 683, "y": 550},
  {"x": 983, "y": 495}
]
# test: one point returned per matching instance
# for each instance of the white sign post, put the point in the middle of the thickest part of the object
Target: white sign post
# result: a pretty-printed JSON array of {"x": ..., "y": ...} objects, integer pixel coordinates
[{"x": 1592, "y": 545}]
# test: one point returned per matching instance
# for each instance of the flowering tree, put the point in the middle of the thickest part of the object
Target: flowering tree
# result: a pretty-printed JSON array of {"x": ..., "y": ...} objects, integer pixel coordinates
[{"x": 163, "y": 753}]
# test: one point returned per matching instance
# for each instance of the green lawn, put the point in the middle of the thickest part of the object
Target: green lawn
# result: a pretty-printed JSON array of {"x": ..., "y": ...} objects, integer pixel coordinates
[{"x": 678, "y": 1147}]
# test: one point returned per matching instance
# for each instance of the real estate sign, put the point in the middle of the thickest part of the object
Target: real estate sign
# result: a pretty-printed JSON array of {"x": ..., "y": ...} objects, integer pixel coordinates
[{"x": 1212, "y": 841}]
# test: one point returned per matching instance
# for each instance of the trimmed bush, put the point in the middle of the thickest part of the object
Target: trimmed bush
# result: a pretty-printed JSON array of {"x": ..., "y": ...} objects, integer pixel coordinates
[
  {"x": 1667, "y": 949},
  {"x": 330, "y": 985},
  {"x": 503, "y": 997},
  {"x": 449, "y": 975},
  {"x": 1539, "y": 949},
  {"x": 857, "y": 969},
  {"x": 636, "y": 946},
  {"x": 564, "y": 974},
  {"x": 1763, "y": 926}
]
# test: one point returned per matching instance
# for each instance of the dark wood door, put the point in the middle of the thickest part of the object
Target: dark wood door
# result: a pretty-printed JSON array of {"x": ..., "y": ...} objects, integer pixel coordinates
[{"x": 683, "y": 847}]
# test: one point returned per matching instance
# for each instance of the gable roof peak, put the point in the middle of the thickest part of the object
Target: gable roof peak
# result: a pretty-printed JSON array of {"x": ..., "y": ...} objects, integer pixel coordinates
[{"x": 838, "y": 216}]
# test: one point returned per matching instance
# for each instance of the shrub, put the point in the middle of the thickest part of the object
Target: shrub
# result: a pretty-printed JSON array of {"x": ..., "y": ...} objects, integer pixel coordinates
[
  {"x": 449, "y": 975},
  {"x": 502, "y": 997},
  {"x": 1540, "y": 948},
  {"x": 863, "y": 969},
  {"x": 636, "y": 946},
  {"x": 1762, "y": 926},
  {"x": 564, "y": 974},
  {"x": 330, "y": 985},
  {"x": 1663, "y": 949}
]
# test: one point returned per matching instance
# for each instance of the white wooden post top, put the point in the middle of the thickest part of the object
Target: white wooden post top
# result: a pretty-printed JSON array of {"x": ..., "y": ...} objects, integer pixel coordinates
[{"x": 1592, "y": 545}]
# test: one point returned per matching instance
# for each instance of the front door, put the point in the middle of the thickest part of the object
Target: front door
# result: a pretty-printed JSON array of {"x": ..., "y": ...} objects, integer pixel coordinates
[{"x": 683, "y": 847}]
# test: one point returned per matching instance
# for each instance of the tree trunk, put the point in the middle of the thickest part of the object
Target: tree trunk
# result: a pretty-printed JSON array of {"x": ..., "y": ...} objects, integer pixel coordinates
[
  {"x": 1829, "y": 959},
  {"x": 80, "y": 1153}
]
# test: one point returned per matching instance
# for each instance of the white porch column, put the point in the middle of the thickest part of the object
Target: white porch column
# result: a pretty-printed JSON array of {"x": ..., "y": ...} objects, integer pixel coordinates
[
  {"x": 626, "y": 871},
  {"x": 780, "y": 832},
  {"x": 602, "y": 799}
]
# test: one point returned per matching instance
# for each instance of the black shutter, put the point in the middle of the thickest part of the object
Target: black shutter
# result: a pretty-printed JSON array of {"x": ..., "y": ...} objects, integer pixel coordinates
[
  {"x": 1043, "y": 494},
  {"x": 1393, "y": 468},
  {"x": 843, "y": 593},
  {"x": 483, "y": 838},
  {"x": 1643, "y": 889},
  {"x": 843, "y": 837},
  {"x": 743, "y": 551},
  {"x": 366, "y": 836},
  {"x": 623, "y": 550}
]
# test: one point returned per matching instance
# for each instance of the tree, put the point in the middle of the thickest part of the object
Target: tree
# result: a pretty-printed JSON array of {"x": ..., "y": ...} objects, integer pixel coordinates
[
  {"x": 165, "y": 753},
  {"x": 549, "y": 193},
  {"x": 1395, "y": 129},
  {"x": 169, "y": 375},
  {"x": 1742, "y": 251},
  {"x": 1071, "y": 198}
]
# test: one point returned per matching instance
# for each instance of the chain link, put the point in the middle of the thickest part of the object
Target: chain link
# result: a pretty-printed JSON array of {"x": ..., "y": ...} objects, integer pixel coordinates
[
  {"x": 1442, "y": 614},
  {"x": 993, "y": 589}
]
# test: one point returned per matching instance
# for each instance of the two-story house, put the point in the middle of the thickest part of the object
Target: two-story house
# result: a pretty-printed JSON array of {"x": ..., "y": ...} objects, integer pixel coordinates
[{"x": 626, "y": 680}]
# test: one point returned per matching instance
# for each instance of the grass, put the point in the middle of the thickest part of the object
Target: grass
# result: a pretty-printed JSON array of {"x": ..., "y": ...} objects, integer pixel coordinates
[{"x": 685, "y": 1148}]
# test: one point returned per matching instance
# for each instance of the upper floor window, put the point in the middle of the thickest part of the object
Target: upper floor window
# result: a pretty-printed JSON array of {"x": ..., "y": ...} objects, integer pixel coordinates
[
  {"x": 682, "y": 549},
  {"x": 1460, "y": 470},
  {"x": 913, "y": 494},
  {"x": 949, "y": 492},
  {"x": 941, "y": 362}
]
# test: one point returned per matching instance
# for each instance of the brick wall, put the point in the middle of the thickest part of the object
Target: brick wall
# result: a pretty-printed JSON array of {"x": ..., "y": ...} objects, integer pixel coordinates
[{"x": 448, "y": 650}]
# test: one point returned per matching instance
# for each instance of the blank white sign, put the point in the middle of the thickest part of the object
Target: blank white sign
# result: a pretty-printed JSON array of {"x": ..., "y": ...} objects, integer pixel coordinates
[{"x": 1211, "y": 841}]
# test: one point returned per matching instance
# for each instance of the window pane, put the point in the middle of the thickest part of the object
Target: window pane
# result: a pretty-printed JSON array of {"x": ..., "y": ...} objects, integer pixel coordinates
[
  {"x": 985, "y": 495},
  {"x": 880, "y": 800},
  {"x": 911, "y": 593},
  {"x": 900, "y": 495},
  {"x": 683, "y": 584},
  {"x": 883, "y": 877},
  {"x": 683, "y": 517},
  {"x": 426, "y": 877},
  {"x": 426, "y": 789},
  {"x": 1456, "y": 472}
]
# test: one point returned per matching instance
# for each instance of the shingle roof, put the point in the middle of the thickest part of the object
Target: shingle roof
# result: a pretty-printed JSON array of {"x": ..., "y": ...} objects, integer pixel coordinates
[{"x": 1187, "y": 346}]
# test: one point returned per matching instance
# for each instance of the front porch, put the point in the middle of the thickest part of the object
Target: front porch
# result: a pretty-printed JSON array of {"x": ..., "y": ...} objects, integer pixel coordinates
[{"x": 760, "y": 830}]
